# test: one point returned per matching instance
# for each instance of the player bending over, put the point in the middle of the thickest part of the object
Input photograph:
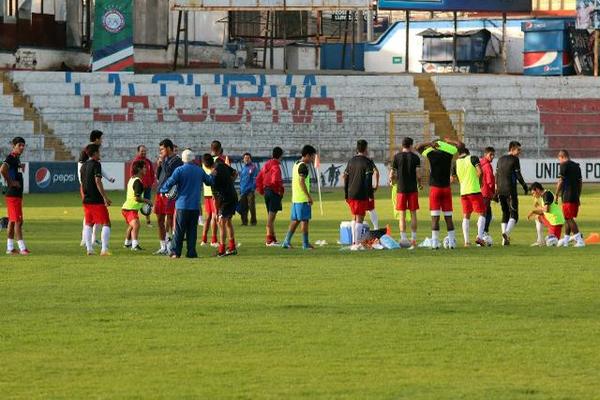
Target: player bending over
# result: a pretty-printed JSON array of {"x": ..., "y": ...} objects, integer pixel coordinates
[{"x": 549, "y": 213}]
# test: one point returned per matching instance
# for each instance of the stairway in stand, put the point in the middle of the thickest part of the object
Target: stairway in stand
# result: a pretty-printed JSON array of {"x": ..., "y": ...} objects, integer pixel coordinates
[{"x": 438, "y": 114}]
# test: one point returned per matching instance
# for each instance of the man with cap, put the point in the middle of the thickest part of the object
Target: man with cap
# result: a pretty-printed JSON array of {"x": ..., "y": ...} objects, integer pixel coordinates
[{"x": 189, "y": 179}]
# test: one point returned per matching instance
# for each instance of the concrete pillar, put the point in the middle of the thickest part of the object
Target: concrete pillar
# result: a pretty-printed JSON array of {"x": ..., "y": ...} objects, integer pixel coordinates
[
  {"x": 370, "y": 25},
  {"x": 73, "y": 25},
  {"x": 360, "y": 26}
]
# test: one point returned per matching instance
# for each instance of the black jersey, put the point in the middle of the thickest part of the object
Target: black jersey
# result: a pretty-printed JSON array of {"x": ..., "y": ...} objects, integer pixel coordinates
[
  {"x": 90, "y": 170},
  {"x": 570, "y": 173},
  {"x": 14, "y": 172},
  {"x": 508, "y": 173},
  {"x": 406, "y": 164},
  {"x": 359, "y": 178}
]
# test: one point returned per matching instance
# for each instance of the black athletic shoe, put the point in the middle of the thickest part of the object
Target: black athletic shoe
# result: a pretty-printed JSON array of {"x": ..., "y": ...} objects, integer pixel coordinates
[
  {"x": 126, "y": 246},
  {"x": 137, "y": 248},
  {"x": 231, "y": 252},
  {"x": 505, "y": 240}
]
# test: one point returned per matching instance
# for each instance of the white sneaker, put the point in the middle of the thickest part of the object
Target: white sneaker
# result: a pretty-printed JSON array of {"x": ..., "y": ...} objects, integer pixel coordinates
[
  {"x": 562, "y": 243},
  {"x": 435, "y": 244},
  {"x": 357, "y": 247},
  {"x": 579, "y": 243},
  {"x": 537, "y": 244},
  {"x": 451, "y": 244},
  {"x": 161, "y": 252}
]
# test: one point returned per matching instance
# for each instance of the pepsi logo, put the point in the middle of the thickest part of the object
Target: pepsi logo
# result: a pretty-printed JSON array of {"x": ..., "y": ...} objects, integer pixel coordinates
[{"x": 43, "y": 177}]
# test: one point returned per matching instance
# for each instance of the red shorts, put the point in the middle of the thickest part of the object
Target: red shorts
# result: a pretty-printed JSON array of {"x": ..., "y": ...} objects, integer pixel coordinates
[
  {"x": 96, "y": 214},
  {"x": 14, "y": 207},
  {"x": 210, "y": 207},
  {"x": 570, "y": 210},
  {"x": 473, "y": 202},
  {"x": 371, "y": 204},
  {"x": 130, "y": 215},
  {"x": 552, "y": 229},
  {"x": 440, "y": 199},
  {"x": 358, "y": 207},
  {"x": 163, "y": 206},
  {"x": 407, "y": 201}
]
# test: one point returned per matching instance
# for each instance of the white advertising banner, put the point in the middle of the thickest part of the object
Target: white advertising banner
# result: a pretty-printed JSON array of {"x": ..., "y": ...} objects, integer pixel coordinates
[
  {"x": 547, "y": 170},
  {"x": 269, "y": 4}
]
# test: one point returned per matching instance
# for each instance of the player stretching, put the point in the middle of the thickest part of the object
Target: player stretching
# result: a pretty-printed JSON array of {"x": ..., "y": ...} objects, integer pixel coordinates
[
  {"x": 549, "y": 214},
  {"x": 133, "y": 203},
  {"x": 488, "y": 185},
  {"x": 405, "y": 175},
  {"x": 358, "y": 188},
  {"x": 95, "y": 200},
  {"x": 468, "y": 172},
  {"x": 12, "y": 171},
  {"x": 301, "y": 199},
  {"x": 569, "y": 189},
  {"x": 508, "y": 172},
  {"x": 440, "y": 153},
  {"x": 164, "y": 208},
  {"x": 226, "y": 201}
]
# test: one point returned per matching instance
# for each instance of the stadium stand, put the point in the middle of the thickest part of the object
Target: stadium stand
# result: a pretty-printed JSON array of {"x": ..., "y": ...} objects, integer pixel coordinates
[
  {"x": 246, "y": 112},
  {"x": 543, "y": 113}
]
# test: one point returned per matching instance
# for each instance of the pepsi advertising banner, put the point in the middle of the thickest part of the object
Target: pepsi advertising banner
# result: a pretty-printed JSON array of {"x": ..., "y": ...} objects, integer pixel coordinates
[
  {"x": 53, "y": 177},
  {"x": 458, "y": 5}
]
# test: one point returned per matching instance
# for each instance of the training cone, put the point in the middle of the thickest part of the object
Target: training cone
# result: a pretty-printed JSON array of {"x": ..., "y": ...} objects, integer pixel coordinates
[
  {"x": 388, "y": 230},
  {"x": 594, "y": 238}
]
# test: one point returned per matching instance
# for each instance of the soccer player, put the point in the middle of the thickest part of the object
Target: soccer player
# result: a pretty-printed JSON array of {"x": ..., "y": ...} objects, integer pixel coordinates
[
  {"x": 133, "y": 203},
  {"x": 440, "y": 154},
  {"x": 301, "y": 199},
  {"x": 488, "y": 185},
  {"x": 95, "y": 200},
  {"x": 358, "y": 188},
  {"x": 405, "y": 175},
  {"x": 371, "y": 205},
  {"x": 270, "y": 184},
  {"x": 247, "y": 190},
  {"x": 569, "y": 189},
  {"x": 95, "y": 138},
  {"x": 12, "y": 171},
  {"x": 226, "y": 201},
  {"x": 549, "y": 214},
  {"x": 149, "y": 177},
  {"x": 508, "y": 172},
  {"x": 210, "y": 213},
  {"x": 189, "y": 178},
  {"x": 468, "y": 171},
  {"x": 164, "y": 208}
]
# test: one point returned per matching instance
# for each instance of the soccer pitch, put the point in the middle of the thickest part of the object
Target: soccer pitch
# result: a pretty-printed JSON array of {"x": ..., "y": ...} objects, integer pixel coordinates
[{"x": 476, "y": 323}]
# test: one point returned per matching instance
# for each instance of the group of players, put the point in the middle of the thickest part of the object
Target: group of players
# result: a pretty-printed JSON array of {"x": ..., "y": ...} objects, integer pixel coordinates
[{"x": 182, "y": 181}]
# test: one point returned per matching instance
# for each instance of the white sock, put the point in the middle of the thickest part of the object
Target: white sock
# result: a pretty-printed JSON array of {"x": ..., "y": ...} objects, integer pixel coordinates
[
  {"x": 566, "y": 238},
  {"x": 82, "y": 231},
  {"x": 94, "y": 233},
  {"x": 503, "y": 225},
  {"x": 21, "y": 244},
  {"x": 480, "y": 226},
  {"x": 465, "y": 228},
  {"x": 127, "y": 242},
  {"x": 510, "y": 226},
  {"x": 403, "y": 236},
  {"x": 87, "y": 237},
  {"x": 134, "y": 243},
  {"x": 578, "y": 236},
  {"x": 163, "y": 245},
  {"x": 374, "y": 219},
  {"x": 539, "y": 229},
  {"x": 200, "y": 220},
  {"x": 353, "y": 228},
  {"x": 413, "y": 235},
  {"x": 452, "y": 235},
  {"x": 105, "y": 237},
  {"x": 10, "y": 244},
  {"x": 435, "y": 235}
]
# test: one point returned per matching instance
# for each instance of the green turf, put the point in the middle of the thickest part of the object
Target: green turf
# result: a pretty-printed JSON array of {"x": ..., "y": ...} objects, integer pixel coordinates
[{"x": 494, "y": 323}]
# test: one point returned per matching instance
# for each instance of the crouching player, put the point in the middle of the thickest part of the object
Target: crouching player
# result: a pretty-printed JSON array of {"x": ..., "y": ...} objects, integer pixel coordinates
[
  {"x": 549, "y": 213},
  {"x": 133, "y": 203}
]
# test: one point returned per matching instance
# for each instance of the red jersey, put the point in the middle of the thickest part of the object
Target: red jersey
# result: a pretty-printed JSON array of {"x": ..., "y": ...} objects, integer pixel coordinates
[
  {"x": 488, "y": 184},
  {"x": 269, "y": 177}
]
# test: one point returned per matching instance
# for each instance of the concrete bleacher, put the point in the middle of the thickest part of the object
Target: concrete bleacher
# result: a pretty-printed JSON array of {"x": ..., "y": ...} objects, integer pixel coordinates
[
  {"x": 246, "y": 112},
  {"x": 13, "y": 123},
  {"x": 503, "y": 108}
]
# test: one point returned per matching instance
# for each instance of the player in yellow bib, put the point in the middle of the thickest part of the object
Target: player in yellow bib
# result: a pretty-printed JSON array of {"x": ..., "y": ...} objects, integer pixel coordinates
[
  {"x": 133, "y": 204},
  {"x": 549, "y": 213},
  {"x": 467, "y": 170},
  {"x": 301, "y": 199}
]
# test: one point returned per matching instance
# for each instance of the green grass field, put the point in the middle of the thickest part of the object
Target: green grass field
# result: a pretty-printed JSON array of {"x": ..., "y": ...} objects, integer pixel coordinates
[{"x": 493, "y": 323}]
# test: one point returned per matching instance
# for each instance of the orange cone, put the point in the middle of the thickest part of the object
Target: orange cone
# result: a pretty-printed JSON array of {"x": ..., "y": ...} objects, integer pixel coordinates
[
  {"x": 594, "y": 238},
  {"x": 388, "y": 230}
]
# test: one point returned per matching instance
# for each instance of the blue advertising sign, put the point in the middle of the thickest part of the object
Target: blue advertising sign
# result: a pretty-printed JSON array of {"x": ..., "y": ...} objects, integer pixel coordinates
[
  {"x": 53, "y": 177},
  {"x": 457, "y": 5}
]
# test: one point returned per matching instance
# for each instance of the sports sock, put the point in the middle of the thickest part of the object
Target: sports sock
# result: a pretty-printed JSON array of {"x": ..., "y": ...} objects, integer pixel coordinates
[
  {"x": 354, "y": 232},
  {"x": 105, "y": 235},
  {"x": 374, "y": 219},
  {"x": 480, "y": 226},
  {"x": 21, "y": 244},
  {"x": 10, "y": 244},
  {"x": 94, "y": 233},
  {"x": 305, "y": 240},
  {"x": 127, "y": 242},
  {"x": 566, "y": 238},
  {"x": 503, "y": 225},
  {"x": 134, "y": 243},
  {"x": 83, "y": 229},
  {"x": 511, "y": 225},
  {"x": 413, "y": 235},
  {"x": 221, "y": 248},
  {"x": 403, "y": 236},
  {"x": 465, "y": 228},
  {"x": 452, "y": 235},
  {"x": 539, "y": 229},
  {"x": 87, "y": 235},
  {"x": 163, "y": 245},
  {"x": 578, "y": 236},
  {"x": 288, "y": 238},
  {"x": 213, "y": 238},
  {"x": 231, "y": 244},
  {"x": 435, "y": 235}
]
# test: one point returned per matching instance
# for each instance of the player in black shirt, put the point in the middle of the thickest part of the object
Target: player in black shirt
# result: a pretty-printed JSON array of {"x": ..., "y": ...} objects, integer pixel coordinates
[
  {"x": 226, "y": 200},
  {"x": 569, "y": 189},
  {"x": 440, "y": 154},
  {"x": 358, "y": 188},
  {"x": 405, "y": 175},
  {"x": 508, "y": 173},
  {"x": 95, "y": 200},
  {"x": 12, "y": 172}
]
